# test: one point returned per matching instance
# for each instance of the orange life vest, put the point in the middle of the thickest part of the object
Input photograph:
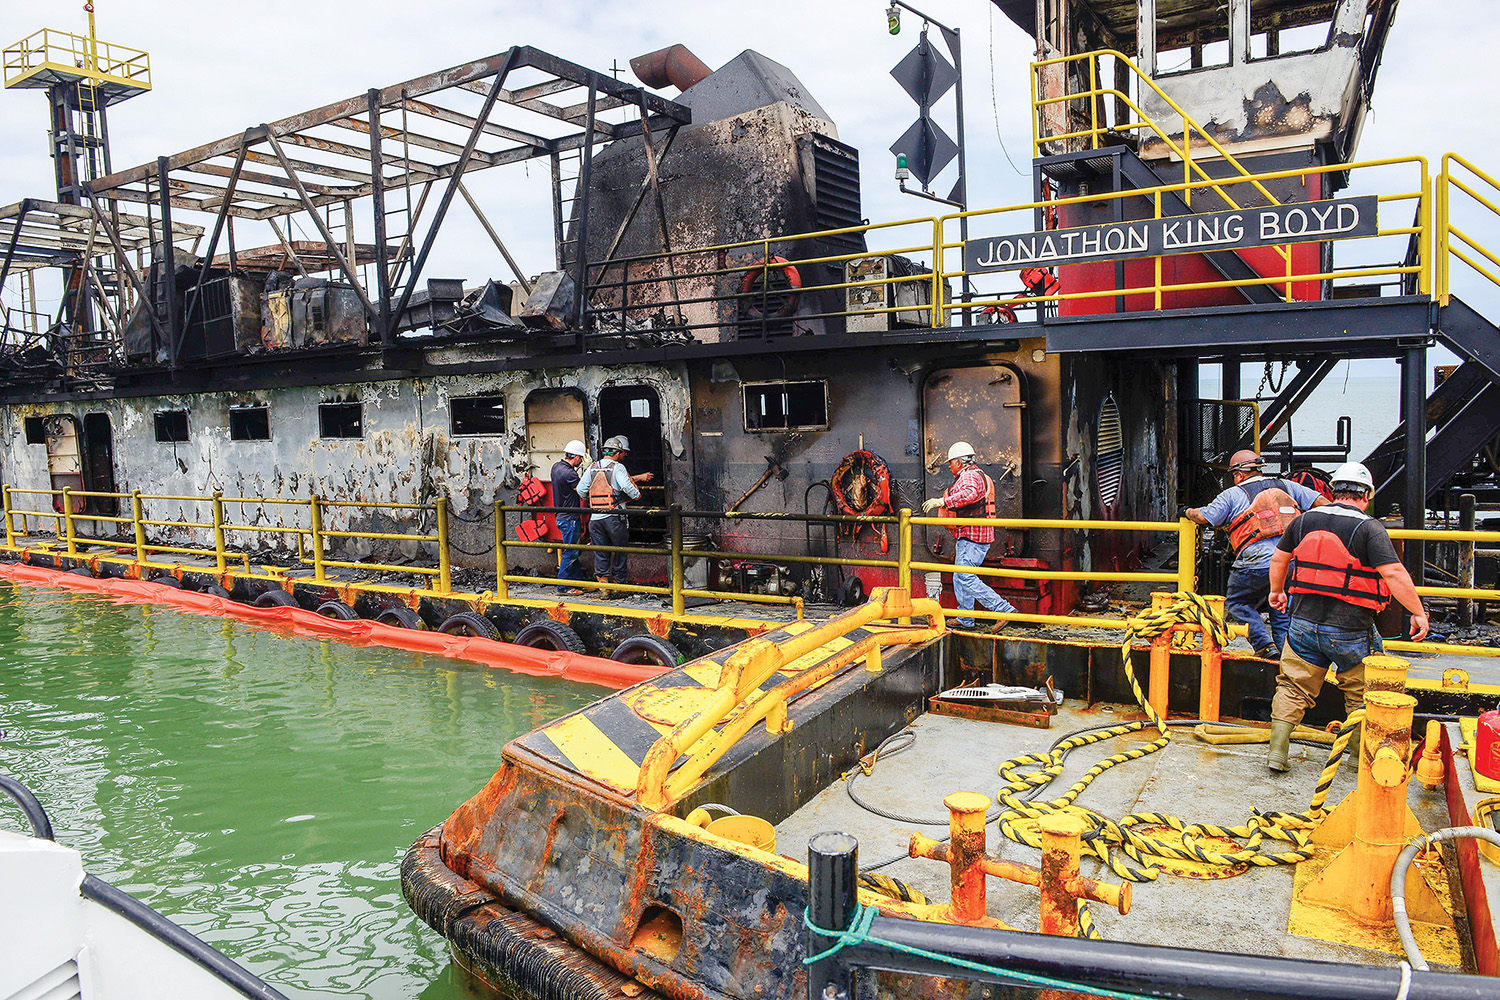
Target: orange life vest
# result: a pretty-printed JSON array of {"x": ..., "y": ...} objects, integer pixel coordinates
[
  {"x": 1322, "y": 563},
  {"x": 1271, "y": 510},
  {"x": 983, "y": 507},
  {"x": 602, "y": 494}
]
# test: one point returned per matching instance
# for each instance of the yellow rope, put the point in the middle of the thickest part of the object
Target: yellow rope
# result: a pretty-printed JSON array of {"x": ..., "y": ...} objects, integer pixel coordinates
[{"x": 1128, "y": 853}]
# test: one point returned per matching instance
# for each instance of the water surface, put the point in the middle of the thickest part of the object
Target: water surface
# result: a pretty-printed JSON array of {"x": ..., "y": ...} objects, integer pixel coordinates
[{"x": 257, "y": 788}]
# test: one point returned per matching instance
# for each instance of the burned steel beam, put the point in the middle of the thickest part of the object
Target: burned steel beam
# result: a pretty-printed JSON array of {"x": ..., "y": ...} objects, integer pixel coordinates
[
  {"x": 256, "y": 177},
  {"x": 495, "y": 238},
  {"x": 441, "y": 114},
  {"x": 581, "y": 239},
  {"x": 323, "y": 229},
  {"x": 456, "y": 76},
  {"x": 377, "y": 196},
  {"x": 309, "y": 167},
  {"x": 291, "y": 254},
  {"x": 213, "y": 241},
  {"x": 15, "y": 236},
  {"x": 411, "y": 138},
  {"x": 451, "y": 189}
]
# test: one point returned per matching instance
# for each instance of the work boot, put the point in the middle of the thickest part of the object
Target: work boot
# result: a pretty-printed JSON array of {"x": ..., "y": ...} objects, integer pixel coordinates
[
  {"x": 1281, "y": 744},
  {"x": 1351, "y": 752},
  {"x": 604, "y": 592}
]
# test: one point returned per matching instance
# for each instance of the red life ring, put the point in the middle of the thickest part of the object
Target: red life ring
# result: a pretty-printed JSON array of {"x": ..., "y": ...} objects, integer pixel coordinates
[
  {"x": 861, "y": 486},
  {"x": 780, "y": 302}
]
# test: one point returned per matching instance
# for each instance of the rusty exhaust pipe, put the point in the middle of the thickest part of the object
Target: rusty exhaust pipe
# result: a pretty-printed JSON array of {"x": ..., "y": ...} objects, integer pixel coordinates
[{"x": 673, "y": 64}]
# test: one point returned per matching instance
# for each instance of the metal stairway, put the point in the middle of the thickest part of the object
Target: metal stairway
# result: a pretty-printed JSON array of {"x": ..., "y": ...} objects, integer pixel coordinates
[{"x": 1463, "y": 412}]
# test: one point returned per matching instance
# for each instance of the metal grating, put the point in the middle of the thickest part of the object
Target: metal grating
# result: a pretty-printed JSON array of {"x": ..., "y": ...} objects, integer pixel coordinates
[
  {"x": 1109, "y": 454},
  {"x": 834, "y": 183}
]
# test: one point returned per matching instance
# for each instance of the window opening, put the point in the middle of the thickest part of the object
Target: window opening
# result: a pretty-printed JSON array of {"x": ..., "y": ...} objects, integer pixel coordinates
[
  {"x": 36, "y": 431},
  {"x": 171, "y": 425},
  {"x": 249, "y": 423},
  {"x": 341, "y": 420},
  {"x": 475, "y": 415},
  {"x": 786, "y": 406}
]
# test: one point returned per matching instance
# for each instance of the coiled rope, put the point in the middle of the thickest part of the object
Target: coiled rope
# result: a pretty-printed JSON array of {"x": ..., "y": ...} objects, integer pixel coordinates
[{"x": 1270, "y": 838}]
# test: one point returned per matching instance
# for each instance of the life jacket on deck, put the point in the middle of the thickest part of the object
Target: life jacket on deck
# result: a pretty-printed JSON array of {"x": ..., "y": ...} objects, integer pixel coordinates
[
  {"x": 1271, "y": 510},
  {"x": 531, "y": 494},
  {"x": 602, "y": 493},
  {"x": 1322, "y": 563}
]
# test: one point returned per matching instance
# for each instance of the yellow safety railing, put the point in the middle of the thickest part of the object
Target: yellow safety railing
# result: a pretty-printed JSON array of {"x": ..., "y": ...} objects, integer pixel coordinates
[
  {"x": 662, "y": 779},
  {"x": 1417, "y": 191},
  {"x": 76, "y": 56},
  {"x": 1098, "y": 131},
  {"x": 137, "y": 538},
  {"x": 1454, "y": 242}
]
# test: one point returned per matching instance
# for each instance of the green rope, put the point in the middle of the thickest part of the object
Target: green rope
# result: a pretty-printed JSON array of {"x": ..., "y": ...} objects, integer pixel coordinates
[{"x": 859, "y": 933}]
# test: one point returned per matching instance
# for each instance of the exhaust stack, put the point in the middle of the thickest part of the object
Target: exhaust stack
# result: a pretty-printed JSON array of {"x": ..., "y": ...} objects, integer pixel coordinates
[{"x": 673, "y": 64}]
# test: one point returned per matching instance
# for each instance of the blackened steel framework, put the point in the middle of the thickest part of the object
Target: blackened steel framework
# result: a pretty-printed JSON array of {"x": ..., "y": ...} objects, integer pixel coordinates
[{"x": 256, "y": 176}]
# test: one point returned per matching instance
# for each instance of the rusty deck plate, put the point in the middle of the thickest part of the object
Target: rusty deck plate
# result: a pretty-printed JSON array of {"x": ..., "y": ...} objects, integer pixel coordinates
[{"x": 981, "y": 711}]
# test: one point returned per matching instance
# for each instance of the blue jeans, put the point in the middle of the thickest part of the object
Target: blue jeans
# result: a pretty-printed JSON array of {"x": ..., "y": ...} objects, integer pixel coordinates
[
  {"x": 567, "y": 563},
  {"x": 1244, "y": 597},
  {"x": 1325, "y": 646},
  {"x": 969, "y": 588},
  {"x": 1311, "y": 648}
]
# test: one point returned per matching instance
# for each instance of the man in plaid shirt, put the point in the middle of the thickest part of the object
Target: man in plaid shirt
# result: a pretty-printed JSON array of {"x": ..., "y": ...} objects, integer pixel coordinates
[{"x": 971, "y": 495}]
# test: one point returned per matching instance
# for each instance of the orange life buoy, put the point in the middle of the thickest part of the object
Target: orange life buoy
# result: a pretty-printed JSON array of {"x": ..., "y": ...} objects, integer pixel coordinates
[
  {"x": 779, "y": 302},
  {"x": 861, "y": 486}
]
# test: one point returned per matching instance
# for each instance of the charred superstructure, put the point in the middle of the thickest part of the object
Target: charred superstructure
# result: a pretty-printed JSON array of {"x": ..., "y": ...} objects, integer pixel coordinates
[{"x": 717, "y": 297}]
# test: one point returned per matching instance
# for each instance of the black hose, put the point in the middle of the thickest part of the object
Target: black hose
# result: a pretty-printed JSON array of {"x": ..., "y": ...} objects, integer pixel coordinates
[
  {"x": 30, "y": 805},
  {"x": 186, "y": 943}
]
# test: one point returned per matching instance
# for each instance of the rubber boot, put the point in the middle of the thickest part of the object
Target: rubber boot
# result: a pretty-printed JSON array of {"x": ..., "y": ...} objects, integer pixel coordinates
[
  {"x": 1351, "y": 752},
  {"x": 1281, "y": 744}
]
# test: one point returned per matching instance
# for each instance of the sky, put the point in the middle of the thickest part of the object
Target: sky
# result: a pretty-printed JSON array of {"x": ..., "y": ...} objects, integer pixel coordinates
[{"x": 218, "y": 68}]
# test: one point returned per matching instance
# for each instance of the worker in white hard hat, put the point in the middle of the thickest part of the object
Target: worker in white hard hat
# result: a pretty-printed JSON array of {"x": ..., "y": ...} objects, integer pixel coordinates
[
  {"x": 1343, "y": 570},
  {"x": 569, "y": 525},
  {"x": 1254, "y": 511},
  {"x": 607, "y": 486},
  {"x": 971, "y": 495}
]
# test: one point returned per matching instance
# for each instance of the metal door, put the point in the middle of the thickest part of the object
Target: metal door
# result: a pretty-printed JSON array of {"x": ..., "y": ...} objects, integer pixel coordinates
[
  {"x": 984, "y": 406},
  {"x": 553, "y": 418},
  {"x": 64, "y": 457}
]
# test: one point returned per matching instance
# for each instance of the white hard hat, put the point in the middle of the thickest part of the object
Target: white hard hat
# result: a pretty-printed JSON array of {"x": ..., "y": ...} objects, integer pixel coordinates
[
  {"x": 960, "y": 449},
  {"x": 617, "y": 443},
  {"x": 575, "y": 448},
  {"x": 1353, "y": 473}
]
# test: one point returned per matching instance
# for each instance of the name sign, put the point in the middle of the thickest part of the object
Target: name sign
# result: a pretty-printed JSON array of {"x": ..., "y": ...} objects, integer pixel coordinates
[{"x": 1303, "y": 222}]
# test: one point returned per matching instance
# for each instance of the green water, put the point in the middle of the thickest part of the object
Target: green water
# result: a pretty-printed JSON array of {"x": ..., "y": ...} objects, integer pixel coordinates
[{"x": 259, "y": 789}]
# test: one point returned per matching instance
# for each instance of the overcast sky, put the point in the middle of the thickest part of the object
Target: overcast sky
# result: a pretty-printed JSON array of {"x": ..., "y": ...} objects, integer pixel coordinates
[{"x": 218, "y": 68}]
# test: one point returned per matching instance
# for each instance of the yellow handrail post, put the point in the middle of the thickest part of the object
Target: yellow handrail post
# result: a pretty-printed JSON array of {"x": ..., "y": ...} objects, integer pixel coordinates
[
  {"x": 903, "y": 554},
  {"x": 320, "y": 572},
  {"x": 10, "y": 525},
  {"x": 502, "y": 560},
  {"x": 1424, "y": 239},
  {"x": 1157, "y": 260},
  {"x": 136, "y": 519},
  {"x": 445, "y": 563},
  {"x": 218, "y": 505},
  {"x": 67, "y": 506},
  {"x": 937, "y": 273},
  {"x": 679, "y": 603},
  {"x": 1094, "y": 100},
  {"x": 1187, "y": 555}
]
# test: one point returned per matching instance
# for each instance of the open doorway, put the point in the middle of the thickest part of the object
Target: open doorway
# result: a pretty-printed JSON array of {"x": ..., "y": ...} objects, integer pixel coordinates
[
  {"x": 635, "y": 411},
  {"x": 99, "y": 464}
]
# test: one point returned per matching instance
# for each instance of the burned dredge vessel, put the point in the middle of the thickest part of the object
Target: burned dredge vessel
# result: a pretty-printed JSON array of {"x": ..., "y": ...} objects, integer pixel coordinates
[{"x": 791, "y": 375}]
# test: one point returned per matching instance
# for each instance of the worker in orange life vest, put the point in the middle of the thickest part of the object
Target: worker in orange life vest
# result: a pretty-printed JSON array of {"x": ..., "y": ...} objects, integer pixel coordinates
[
  {"x": 1343, "y": 570},
  {"x": 971, "y": 495},
  {"x": 604, "y": 488},
  {"x": 1256, "y": 509}
]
